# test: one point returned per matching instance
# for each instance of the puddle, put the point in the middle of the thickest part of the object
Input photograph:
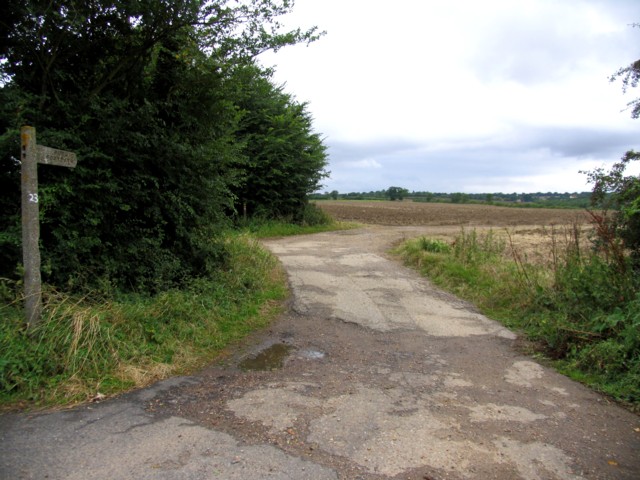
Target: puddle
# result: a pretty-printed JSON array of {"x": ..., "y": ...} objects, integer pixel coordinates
[
  {"x": 270, "y": 358},
  {"x": 312, "y": 354}
]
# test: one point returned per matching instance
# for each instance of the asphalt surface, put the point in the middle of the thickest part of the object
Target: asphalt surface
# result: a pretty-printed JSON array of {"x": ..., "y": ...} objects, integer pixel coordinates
[{"x": 371, "y": 374}]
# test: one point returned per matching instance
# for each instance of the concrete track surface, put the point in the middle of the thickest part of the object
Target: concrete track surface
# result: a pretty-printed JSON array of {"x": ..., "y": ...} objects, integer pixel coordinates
[{"x": 371, "y": 374}]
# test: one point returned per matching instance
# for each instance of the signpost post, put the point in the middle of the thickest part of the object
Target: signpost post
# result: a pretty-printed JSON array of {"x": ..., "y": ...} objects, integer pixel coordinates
[{"x": 31, "y": 155}]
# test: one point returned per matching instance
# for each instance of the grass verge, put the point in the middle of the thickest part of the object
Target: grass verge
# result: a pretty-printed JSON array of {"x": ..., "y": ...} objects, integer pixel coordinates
[
  {"x": 87, "y": 347},
  {"x": 270, "y": 229},
  {"x": 581, "y": 309},
  {"x": 312, "y": 220}
]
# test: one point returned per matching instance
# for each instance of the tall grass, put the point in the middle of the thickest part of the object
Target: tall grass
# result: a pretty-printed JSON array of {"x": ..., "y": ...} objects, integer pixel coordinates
[
  {"x": 313, "y": 220},
  {"x": 581, "y": 308},
  {"x": 86, "y": 346}
]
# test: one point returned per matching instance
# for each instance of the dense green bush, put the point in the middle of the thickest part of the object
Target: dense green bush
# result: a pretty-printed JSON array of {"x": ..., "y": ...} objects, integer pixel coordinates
[
  {"x": 285, "y": 158},
  {"x": 312, "y": 216},
  {"x": 617, "y": 195},
  {"x": 158, "y": 100}
]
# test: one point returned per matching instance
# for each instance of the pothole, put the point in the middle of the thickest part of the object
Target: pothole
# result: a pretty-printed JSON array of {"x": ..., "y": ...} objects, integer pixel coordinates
[{"x": 271, "y": 358}]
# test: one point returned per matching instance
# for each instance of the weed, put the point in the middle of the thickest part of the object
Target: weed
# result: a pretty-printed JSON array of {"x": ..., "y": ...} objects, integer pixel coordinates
[
  {"x": 434, "y": 246},
  {"x": 84, "y": 346},
  {"x": 470, "y": 248},
  {"x": 273, "y": 228},
  {"x": 582, "y": 307}
]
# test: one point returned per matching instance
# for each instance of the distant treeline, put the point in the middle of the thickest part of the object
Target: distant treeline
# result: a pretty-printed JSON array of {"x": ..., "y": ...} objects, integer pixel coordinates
[{"x": 531, "y": 200}]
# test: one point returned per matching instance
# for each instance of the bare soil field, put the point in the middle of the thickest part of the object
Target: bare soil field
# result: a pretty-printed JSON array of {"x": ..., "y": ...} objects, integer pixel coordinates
[
  {"x": 534, "y": 235},
  {"x": 415, "y": 213}
]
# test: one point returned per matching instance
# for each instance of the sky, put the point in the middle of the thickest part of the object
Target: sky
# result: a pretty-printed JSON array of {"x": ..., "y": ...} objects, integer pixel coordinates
[{"x": 473, "y": 96}]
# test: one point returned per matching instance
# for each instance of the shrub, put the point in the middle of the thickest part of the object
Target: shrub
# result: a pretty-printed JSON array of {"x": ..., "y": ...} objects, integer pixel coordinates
[
  {"x": 618, "y": 196},
  {"x": 582, "y": 308},
  {"x": 312, "y": 215},
  {"x": 434, "y": 246}
]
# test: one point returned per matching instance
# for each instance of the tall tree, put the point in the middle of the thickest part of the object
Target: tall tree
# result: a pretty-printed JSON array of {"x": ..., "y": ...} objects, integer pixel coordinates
[
  {"x": 138, "y": 90},
  {"x": 396, "y": 193},
  {"x": 630, "y": 77},
  {"x": 616, "y": 189},
  {"x": 285, "y": 157}
]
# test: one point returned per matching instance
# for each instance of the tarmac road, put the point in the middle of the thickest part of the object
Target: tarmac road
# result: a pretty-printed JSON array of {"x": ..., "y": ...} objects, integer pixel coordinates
[{"x": 371, "y": 374}]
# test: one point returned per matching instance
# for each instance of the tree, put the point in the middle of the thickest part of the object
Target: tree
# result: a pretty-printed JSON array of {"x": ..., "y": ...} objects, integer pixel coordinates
[
  {"x": 630, "y": 77},
  {"x": 459, "y": 198},
  {"x": 140, "y": 91},
  {"x": 334, "y": 194},
  {"x": 620, "y": 193},
  {"x": 396, "y": 193},
  {"x": 617, "y": 191},
  {"x": 285, "y": 159}
]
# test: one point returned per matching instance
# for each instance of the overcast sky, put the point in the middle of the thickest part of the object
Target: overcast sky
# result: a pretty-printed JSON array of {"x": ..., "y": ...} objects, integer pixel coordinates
[{"x": 467, "y": 96}]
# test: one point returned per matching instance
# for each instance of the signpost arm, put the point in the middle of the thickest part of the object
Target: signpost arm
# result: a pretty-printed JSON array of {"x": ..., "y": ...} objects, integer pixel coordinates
[{"x": 30, "y": 227}]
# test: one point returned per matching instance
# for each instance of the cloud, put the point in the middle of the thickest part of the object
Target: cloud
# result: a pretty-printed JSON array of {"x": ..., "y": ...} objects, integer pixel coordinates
[
  {"x": 530, "y": 158},
  {"x": 546, "y": 41},
  {"x": 466, "y": 95},
  {"x": 581, "y": 142},
  {"x": 365, "y": 163}
]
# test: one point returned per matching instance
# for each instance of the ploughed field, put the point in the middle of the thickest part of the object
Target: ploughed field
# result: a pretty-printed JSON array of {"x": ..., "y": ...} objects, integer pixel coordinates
[{"x": 418, "y": 213}]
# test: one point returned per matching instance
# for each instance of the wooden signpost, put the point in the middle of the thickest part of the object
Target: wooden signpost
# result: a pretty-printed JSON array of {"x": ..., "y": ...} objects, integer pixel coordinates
[{"x": 31, "y": 155}]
